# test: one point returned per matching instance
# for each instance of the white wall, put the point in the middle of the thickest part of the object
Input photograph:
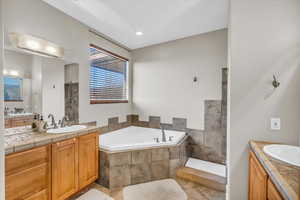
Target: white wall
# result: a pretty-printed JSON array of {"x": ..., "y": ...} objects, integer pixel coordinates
[
  {"x": 53, "y": 91},
  {"x": 264, "y": 40},
  {"x": 2, "y": 196},
  {"x": 163, "y": 77},
  {"x": 55, "y": 26}
]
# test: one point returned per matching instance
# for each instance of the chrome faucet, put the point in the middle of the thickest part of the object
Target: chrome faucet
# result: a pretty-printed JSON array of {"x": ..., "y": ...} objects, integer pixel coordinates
[
  {"x": 63, "y": 121},
  {"x": 164, "y": 139},
  {"x": 53, "y": 123}
]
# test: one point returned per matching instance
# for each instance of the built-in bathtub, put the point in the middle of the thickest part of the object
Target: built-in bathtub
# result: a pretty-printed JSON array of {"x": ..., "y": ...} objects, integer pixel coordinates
[
  {"x": 132, "y": 155},
  {"x": 134, "y": 138}
]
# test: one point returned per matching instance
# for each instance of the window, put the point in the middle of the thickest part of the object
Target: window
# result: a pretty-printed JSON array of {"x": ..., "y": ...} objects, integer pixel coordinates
[
  {"x": 12, "y": 89},
  {"x": 108, "y": 77}
]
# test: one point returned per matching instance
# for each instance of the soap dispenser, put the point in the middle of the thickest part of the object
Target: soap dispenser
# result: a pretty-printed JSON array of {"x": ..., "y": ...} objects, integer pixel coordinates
[{"x": 34, "y": 124}]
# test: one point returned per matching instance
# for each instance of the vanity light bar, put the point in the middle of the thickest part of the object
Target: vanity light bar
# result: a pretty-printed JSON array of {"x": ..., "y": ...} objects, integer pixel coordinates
[{"x": 36, "y": 45}]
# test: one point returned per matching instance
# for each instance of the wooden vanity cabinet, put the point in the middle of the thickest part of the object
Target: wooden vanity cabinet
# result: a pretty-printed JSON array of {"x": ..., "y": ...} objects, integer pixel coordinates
[
  {"x": 64, "y": 169},
  {"x": 260, "y": 185},
  {"x": 74, "y": 165},
  {"x": 257, "y": 179},
  {"x": 88, "y": 159},
  {"x": 28, "y": 174},
  {"x": 55, "y": 171}
]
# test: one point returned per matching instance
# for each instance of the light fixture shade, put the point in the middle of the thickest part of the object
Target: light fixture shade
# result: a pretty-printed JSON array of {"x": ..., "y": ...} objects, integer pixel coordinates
[{"x": 36, "y": 45}]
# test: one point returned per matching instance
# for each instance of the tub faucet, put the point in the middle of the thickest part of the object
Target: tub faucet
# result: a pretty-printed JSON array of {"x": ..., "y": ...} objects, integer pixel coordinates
[{"x": 164, "y": 139}]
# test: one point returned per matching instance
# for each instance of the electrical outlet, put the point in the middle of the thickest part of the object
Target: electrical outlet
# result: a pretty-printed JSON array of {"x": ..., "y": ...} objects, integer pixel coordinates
[{"x": 275, "y": 123}]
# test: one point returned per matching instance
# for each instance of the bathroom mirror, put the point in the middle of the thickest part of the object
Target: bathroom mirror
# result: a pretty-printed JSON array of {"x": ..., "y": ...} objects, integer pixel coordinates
[{"x": 41, "y": 85}]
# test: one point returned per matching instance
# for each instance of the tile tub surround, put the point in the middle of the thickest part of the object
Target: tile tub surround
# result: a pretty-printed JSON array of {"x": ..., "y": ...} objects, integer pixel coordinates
[
  {"x": 208, "y": 144},
  {"x": 23, "y": 138},
  {"x": 285, "y": 176},
  {"x": 138, "y": 166}
]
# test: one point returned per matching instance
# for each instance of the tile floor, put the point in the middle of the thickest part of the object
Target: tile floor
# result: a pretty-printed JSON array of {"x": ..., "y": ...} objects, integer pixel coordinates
[{"x": 194, "y": 191}]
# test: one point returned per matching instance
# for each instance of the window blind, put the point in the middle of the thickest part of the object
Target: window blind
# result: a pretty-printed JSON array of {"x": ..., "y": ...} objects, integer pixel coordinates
[{"x": 108, "y": 78}]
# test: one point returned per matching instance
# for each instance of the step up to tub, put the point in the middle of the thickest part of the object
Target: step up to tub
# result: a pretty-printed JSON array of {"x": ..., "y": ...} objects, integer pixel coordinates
[{"x": 209, "y": 174}]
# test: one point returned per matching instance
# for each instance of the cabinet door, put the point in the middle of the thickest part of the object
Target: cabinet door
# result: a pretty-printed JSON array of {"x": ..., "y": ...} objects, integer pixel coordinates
[
  {"x": 257, "y": 179},
  {"x": 88, "y": 159},
  {"x": 273, "y": 194},
  {"x": 64, "y": 169}
]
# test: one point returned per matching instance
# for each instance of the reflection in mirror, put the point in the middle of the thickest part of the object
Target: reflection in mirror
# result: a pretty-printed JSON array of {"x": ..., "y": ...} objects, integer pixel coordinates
[
  {"x": 17, "y": 87},
  {"x": 72, "y": 92},
  {"x": 38, "y": 86}
]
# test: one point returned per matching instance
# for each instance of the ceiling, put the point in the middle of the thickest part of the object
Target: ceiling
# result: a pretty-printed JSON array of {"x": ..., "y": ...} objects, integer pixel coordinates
[{"x": 159, "y": 20}]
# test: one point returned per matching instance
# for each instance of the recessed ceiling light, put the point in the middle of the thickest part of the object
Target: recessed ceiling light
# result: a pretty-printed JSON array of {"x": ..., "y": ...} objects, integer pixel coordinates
[{"x": 139, "y": 33}]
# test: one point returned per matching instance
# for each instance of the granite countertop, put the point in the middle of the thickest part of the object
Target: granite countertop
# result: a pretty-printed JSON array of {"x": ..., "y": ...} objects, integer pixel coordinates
[
  {"x": 286, "y": 177},
  {"x": 23, "y": 138}
]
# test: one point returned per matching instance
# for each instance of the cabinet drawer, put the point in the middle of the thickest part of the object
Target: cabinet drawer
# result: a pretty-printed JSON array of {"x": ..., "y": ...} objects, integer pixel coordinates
[
  {"x": 27, "y": 183},
  {"x": 20, "y": 161}
]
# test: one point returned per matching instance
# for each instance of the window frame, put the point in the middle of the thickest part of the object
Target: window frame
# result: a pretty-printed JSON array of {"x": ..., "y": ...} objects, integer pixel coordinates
[
  {"x": 21, "y": 89},
  {"x": 111, "y": 101}
]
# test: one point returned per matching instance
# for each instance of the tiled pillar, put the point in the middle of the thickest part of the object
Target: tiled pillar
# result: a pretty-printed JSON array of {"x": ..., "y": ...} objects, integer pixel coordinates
[{"x": 224, "y": 110}]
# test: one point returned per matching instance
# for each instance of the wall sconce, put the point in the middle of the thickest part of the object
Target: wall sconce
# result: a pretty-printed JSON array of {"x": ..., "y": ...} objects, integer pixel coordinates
[
  {"x": 36, "y": 45},
  {"x": 275, "y": 82}
]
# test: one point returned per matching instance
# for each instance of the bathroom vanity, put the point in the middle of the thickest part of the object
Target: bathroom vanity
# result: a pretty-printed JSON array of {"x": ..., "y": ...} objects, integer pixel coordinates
[
  {"x": 271, "y": 179},
  {"x": 50, "y": 166}
]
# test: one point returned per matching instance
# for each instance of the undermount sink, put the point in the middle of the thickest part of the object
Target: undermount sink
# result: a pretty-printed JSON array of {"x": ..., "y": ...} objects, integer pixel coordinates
[
  {"x": 66, "y": 129},
  {"x": 285, "y": 153}
]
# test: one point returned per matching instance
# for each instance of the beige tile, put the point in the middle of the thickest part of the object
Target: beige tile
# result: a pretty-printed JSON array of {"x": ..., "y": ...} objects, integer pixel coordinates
[
  {"x": 154, "y": 122},
  {"x": 159, "y": 170},
  {"x": 173, "y": 166},
  {"x": 116, "y": 159},
  {"x": 174, "y": 152},
  {"x": 160, "y": 154},
  {"x": 119, "y": 176},
  {"x": 179, "y": 123},
  {"x": 140, "y": 173},
  {"x": 139, "y": 157}
]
